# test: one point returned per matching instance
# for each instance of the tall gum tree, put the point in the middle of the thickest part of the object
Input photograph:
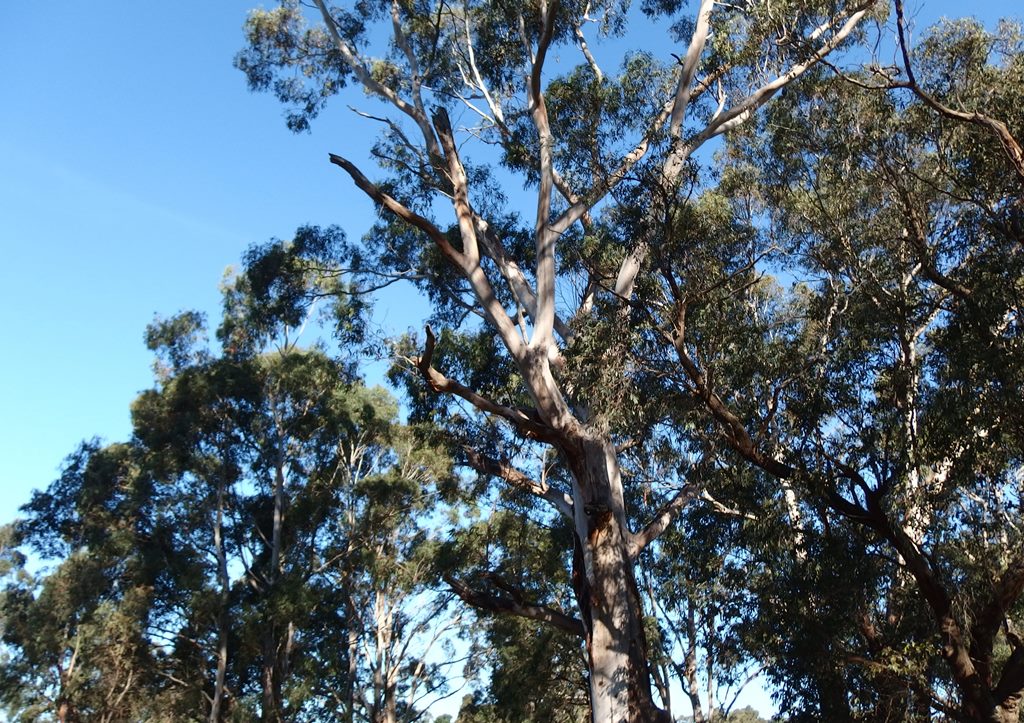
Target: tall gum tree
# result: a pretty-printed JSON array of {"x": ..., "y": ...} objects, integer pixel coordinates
[
  {"x": 593, "y": 145},
  {"x": 312, "y": 492},
  {"x": 897, "y": 192},
  {"x": 260, "y": 549}
]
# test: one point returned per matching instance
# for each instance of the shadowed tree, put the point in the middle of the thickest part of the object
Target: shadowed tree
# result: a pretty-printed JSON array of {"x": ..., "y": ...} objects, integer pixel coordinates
[{"x": 894, "y": 410}]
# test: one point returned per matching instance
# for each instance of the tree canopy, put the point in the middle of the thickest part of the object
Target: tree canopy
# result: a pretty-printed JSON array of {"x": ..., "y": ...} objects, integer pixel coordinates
[{"x": 721, "y": 377}]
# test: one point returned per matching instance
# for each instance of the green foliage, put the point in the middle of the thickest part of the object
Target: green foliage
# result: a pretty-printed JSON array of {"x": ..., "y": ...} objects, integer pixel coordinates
[
  {"x": 268, "y": 508},
  {"x": 903, "y": 222},
  {"x": 816, "y": 371}
]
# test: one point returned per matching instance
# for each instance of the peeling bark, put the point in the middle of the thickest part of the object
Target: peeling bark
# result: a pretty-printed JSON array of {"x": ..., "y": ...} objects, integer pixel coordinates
[{"x": 620, "y": 675}]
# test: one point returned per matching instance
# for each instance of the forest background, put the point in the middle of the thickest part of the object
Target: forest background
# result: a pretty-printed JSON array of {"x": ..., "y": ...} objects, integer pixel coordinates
[{"x": 136, "y": 165}]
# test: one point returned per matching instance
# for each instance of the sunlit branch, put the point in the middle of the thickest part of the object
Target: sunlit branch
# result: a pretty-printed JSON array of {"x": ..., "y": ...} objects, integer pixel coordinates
[
  {"x": 662, "y": 519},
  {"x": 470, "y": 265},
  {"x": 689, "y": 67},
  {"x": 416, "y": 80},
  {"x": 503, "y": 470},
  {"x": 496, "y": 111},
  {"x": 546, "y": 237},
  {"x": 739, "y": 113},
  {"x": 581, "y": 40},
  {"x": 363, "y": 74},
  {"x": 494, "y": 249},
  {"x": 525, "y": 422}
]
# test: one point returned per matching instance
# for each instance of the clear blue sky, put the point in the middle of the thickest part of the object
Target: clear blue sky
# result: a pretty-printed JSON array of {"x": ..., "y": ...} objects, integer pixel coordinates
[{"x": 134, "y": 167}]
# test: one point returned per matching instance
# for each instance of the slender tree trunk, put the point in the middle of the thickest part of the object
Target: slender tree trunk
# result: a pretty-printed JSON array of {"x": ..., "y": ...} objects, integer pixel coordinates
[
  {"x": 690, "y": 665},
  {"x": 278, "y": 529},
  {"x": 222, "y": 613},
  {"x": 353, "y": 655},
  {"x": 384, "y": 677},
  {"x": 66, "y": 711},
  {"x": 606, "y": 588},
  {"x": 271, "y": 664},
  {"x": 270, "y": 712},
  {"x": 273, "y": 673}
]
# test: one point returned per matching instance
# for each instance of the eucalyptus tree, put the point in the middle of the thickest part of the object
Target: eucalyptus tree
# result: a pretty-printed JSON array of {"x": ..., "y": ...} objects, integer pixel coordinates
[
  {"x": 260, "y": 550},
  {"x": 300, "y": 480},
  {"x": 895, "y": 409},
  {"x": 76, "y": 635},
  {"x": 608, "y": 151},
  {"x": 398, "y": 626}
]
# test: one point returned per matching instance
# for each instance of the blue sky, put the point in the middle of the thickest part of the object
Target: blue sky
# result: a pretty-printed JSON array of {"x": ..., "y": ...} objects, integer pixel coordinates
[{"x": 135, "y": 167}]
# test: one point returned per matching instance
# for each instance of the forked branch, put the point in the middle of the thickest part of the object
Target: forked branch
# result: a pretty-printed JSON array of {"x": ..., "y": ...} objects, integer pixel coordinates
[
  {"x": 739, "y": 113},
  {"x": 662, "y": 519},
  {"x": 353, "y": 61},
  {"x": 1010, "y": 145},
  {"x": 525, "y": 422}
]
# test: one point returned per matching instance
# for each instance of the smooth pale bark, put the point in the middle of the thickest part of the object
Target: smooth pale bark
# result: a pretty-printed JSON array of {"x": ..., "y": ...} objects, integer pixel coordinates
[
  {"x": 606, "y": 588},
  {"x": 385, "y": 677}
]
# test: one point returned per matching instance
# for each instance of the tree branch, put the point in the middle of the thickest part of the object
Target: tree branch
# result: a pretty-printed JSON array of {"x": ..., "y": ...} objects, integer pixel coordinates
[
  {"x": 525, "y": 421},
  {"x": 732, "y": 427},
  {"x": 545, "y": 235},
  {"x": 501, "y": 604},
  {"x": 396, "y": 207},
  {"x": 918, "y": 236},
  {"x": 494, "y": 249},
  {"x": 662, "y": 519},
  {"x": 954, "y": 646},
  {"x": 505, "y": 471},
  {"x": 363, "y": 74},
  {"x": 471, "y": 267},
  {"x": 1013, "y": 150},
  {"x": 739, "y": 113},
  {"x": 1011, "y": 683},
  {"x": 988, "y": 620},
  {"x": 689, "y": 67}
]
